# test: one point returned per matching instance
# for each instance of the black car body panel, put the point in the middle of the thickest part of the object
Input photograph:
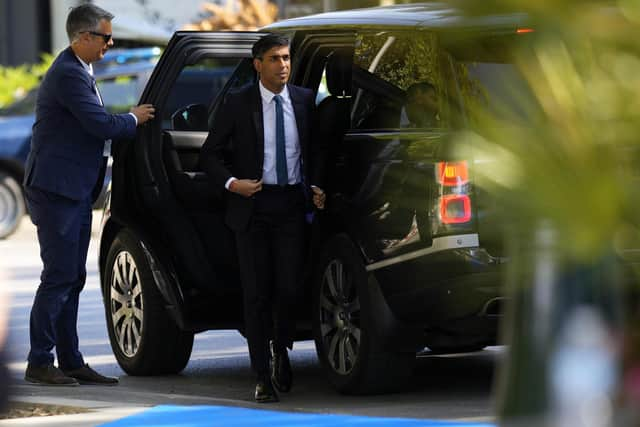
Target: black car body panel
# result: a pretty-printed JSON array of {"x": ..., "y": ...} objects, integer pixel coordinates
[
  {"x": 379, "y": 182},
  {"x": 403, "y": 195}
]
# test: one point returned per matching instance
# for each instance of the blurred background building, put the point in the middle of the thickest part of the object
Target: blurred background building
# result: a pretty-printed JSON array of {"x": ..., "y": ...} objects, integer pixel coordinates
[
  {"x": 31, "y": 27},
  {"x": 25, "y": 30}
]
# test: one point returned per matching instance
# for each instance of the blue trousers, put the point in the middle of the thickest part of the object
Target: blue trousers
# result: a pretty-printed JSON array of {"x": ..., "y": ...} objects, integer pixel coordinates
[{"x": 64, "y": 231}]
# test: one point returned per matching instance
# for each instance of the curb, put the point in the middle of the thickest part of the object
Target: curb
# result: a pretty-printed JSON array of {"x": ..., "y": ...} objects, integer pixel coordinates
[{"x": 94, "y": 412}]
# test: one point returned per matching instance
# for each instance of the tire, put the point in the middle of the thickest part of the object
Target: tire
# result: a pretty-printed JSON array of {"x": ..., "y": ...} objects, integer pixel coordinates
[
  {"x": 344, "y": 338},
  {"x": 12, "y": 207},
  {"x": 144, "y": 338}
]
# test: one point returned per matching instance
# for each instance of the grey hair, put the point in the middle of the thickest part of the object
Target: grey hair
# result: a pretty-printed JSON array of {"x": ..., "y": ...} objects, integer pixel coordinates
[{"x": 85, "y": 17}]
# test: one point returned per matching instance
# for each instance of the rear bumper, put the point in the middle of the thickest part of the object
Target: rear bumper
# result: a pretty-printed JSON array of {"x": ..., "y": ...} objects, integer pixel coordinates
[{"x": 444, "y": 286}]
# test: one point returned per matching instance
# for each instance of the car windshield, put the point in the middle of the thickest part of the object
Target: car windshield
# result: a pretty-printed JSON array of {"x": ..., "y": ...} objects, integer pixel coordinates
[{"x": 23, "y": 106}]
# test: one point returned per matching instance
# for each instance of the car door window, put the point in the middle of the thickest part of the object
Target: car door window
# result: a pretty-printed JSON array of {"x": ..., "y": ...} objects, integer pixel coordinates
[
  {"x": 398, "y": 81},
  {"x": 244, "y": 74},
  {"x": 489, "y": 81},
  {"x": 199, "y": 83}
]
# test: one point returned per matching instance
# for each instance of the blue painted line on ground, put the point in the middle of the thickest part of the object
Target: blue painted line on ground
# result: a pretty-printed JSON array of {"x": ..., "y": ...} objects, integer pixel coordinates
[{"x": 213, "y": 416}]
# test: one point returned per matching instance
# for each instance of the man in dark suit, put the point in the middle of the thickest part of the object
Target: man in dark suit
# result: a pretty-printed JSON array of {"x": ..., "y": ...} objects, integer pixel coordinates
[
  {"x": 64, "y": 173},
  {"x": 260, "y": 150}
]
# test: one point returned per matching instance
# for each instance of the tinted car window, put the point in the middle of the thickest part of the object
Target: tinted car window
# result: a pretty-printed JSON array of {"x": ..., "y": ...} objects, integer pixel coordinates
[
  {"x": 390, "y": 69},
  {"x": 243, "y": 75},
  {"x": 488, "y": 79},
  {"x": 497, "y": 87},
  {"x": 198, "y": 84}
]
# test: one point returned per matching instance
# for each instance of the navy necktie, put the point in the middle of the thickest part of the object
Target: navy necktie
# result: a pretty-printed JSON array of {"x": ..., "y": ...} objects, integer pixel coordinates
[{"x": 281, "y": 155}]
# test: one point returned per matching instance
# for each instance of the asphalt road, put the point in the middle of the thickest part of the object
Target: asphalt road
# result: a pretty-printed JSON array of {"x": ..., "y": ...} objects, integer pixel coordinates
[{"x": 454, "y": 387}]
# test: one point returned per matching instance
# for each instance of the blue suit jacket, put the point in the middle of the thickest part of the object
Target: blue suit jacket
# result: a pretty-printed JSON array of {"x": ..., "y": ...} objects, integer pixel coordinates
[
  {"x": 235, "y": 146},
  {"x": 66, "y": 155}
]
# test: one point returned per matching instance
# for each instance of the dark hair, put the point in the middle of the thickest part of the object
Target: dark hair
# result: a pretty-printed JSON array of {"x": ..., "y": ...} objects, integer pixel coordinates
[
  {"x": 85, "y": 17},
  {"x": 267, "y": 42},
  {"x": 421, "y": 87}
]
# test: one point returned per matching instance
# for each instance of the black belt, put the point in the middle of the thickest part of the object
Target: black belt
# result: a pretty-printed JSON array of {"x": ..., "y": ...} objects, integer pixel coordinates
[{"x": 281, "y": 188}]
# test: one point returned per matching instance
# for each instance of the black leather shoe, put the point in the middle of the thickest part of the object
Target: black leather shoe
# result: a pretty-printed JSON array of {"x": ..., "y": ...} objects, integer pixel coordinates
[
  {"x": 86, "y": 375},
  {"x": 265, "y": 392},
  {"x": 48, "y": 375},
  {"x": 281, "y": 375}
]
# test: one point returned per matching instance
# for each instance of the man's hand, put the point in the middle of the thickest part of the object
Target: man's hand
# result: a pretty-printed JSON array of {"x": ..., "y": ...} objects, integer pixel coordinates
[
  {"x": 318, "y": 197},
  {"x": 143, "y": 112},
  {"x": 245, "y": 187}
]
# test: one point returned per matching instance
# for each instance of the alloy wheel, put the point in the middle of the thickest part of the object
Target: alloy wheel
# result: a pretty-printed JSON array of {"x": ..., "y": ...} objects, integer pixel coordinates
[
  {"x": 126, "y": 307},
  {"x": 340, "y": 317},
  {"x": 10, "y": 205}
]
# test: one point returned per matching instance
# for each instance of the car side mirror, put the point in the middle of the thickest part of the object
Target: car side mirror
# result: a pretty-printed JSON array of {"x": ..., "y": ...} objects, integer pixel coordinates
[{"x": 193, "y": 117}]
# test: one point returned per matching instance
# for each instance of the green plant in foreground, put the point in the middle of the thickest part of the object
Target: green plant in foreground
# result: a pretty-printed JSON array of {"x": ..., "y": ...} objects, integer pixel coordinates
[
  {"x": 566, "y": 169},
  {"x": 573, "y": 160}
]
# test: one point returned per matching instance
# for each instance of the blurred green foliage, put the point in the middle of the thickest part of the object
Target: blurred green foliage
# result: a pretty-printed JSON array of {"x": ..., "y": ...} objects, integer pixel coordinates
[
  {"x": 15, "y": 82},
  {"x": 567, "y": 173},
  {"x": 573, "y": 161}
]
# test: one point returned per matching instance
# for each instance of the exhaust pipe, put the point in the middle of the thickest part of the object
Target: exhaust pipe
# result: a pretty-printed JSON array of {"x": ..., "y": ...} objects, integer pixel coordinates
[{"x": 493, "y": 307}]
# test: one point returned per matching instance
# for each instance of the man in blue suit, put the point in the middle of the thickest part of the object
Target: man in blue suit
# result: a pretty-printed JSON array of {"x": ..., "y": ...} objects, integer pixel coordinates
[
  {"x": 64, "y": 173},
  {"x": 261, "y": 152}
]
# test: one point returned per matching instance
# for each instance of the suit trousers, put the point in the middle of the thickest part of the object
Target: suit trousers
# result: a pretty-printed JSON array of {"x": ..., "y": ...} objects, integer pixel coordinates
[
  {"x": 64, "y": 231},
  {"x": 271, "y": 253}
]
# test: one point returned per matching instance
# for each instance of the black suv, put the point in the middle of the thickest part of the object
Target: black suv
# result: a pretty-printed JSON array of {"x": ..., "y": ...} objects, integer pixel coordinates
[{"x": 407, "y": 254}]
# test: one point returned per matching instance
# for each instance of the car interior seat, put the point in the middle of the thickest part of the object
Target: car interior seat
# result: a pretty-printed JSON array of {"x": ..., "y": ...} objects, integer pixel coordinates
[{"x": 333, "y": 112}]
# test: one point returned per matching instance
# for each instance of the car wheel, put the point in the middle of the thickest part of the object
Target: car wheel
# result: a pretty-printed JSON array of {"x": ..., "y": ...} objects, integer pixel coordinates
[
  {"x": 144, "y": 338},
  {"x": 11, "y": 205},
  {"x": 344, "y": 337}
]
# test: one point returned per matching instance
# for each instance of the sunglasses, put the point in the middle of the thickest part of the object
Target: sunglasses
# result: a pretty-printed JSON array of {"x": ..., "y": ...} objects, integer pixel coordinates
[{"x": 105, "y": 37}]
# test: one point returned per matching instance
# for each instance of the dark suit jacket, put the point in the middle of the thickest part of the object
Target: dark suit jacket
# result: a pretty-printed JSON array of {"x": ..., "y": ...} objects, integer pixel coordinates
[
  {"x": 66, "y": 155},
  {"x": 235, "y": 146}
]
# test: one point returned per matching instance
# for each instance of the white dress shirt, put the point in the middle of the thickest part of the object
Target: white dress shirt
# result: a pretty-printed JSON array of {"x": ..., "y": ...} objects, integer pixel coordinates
[
  {"x": 106, "y": 152},
  {"x": 292, "y": 140}
]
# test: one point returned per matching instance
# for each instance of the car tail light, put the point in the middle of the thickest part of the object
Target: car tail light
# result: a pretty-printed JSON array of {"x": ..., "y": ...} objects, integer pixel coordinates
[
  {"x": 450, "y": 174},
  {"x": 455, "y": 209},
  {"x": 453, "y": 203}
]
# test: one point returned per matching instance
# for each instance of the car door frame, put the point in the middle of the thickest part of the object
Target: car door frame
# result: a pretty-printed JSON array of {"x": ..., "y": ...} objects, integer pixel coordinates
[{"x": 142, "y": 198}]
